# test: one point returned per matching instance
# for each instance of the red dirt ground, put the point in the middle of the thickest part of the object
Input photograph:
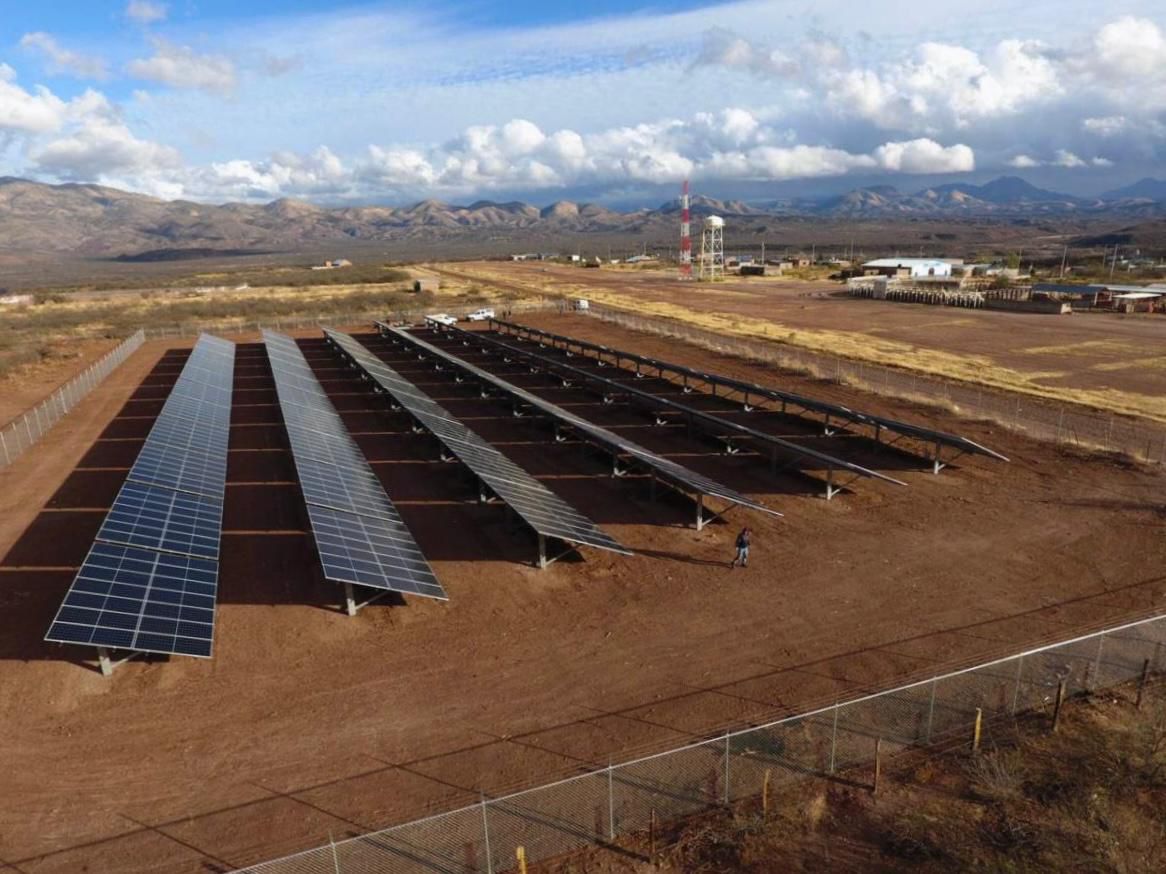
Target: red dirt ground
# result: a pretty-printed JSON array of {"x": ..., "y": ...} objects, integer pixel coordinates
[{"x": 307, "y": 723}]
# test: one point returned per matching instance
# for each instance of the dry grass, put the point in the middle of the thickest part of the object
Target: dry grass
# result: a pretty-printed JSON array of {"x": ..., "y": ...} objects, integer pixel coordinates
[
  {"x": 30, "y": 333},
  {"x": 974, "y": 369}
]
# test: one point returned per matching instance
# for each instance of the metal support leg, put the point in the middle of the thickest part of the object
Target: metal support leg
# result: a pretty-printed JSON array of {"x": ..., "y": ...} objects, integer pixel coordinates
[
  {"x": 700, "y": 512},
  {"x": 105, "y": 661},
  {"x": 830, "y": 490},
  {"x": 349, "y": 600},
  {"x": 542, "y": 551},
  {"x": 937, "y": 463}
]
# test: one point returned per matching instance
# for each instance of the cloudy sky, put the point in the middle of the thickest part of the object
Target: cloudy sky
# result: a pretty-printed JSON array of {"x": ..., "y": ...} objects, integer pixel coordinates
[{"x": 393, "y": 102}]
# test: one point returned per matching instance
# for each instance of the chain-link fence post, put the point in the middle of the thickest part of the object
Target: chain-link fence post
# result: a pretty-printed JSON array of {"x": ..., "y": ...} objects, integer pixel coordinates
[
  {"x": 486, "y": 838},
  {"x": 727, "y": 756},
  {"x": 610, "y": 802},
  {"x": 930, "y": 712},
  {"x": 834, "y": 739},
  {"x": 1019, "y": 676}
]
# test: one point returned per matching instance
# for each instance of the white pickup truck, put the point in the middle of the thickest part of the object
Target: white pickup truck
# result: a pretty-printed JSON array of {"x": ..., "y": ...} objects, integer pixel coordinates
[
  {"x": 482, "y": 315},
  {"x": 443, "y": 318}
]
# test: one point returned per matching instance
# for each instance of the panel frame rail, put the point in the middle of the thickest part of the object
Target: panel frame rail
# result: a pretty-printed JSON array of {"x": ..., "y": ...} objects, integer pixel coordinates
[
  {"x": 726, "y": 431},
  {"x": 624, "y": 453},
  {"x": 549, "y": 516},
  {"x": 689, "y": 378}
]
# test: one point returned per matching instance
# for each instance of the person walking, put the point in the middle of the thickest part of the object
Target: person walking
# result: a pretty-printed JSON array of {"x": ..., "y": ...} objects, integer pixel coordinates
[{"x": 743, "y": 541}]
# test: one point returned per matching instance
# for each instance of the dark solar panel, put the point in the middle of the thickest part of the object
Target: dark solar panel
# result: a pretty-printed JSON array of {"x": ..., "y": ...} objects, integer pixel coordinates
[
  {"x": 538, "y": 506},
  {"x": 142, "y": 600},
  {"x": 665, "y": 468},
  {"x": 371, "y": 552},
  {"x": 149, "y": 581},
  {"x": 359, "y": 534},
  {"x": 181, "y": 468}
]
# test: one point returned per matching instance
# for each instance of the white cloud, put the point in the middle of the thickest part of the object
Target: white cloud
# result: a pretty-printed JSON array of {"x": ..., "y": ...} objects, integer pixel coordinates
[
  {"x": 1065, "y": 158},
  {"x": 27, "y": 112},
  {"x": 146, "y": 12},
  {"x": 182, "y": 67},
  {"x": 1023, "y": 162},
  {"x": 99, "y": 146},
  {"x": 1062, "y": 158},
  {"x": 1107, "y": 126},
  {"x": 64, "y": 60},
  {"x": 1130, "y": 48},
  {"x": 925, "y": 156}
]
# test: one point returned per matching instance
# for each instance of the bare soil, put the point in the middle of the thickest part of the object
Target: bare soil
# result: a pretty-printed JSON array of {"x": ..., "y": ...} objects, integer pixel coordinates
[{"x": 308, "y": 723}]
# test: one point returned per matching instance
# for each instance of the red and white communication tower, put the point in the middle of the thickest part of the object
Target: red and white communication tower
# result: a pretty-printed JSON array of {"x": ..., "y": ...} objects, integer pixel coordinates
[{"x": 685, "y": 234}]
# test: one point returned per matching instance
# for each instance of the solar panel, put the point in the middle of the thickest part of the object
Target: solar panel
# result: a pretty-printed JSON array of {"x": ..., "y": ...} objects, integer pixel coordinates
[
  {"x": 359, "y": 535},
  {"x": 749, "y": 388},
  {"x": 181, "y": 468},
  {"x": 148, "y": 583},
  {"x": 141, "y": 600},
  {"x": 716, "y": 425},
  {"x": 371, "y": 552},
  {"x": 543, "y": 510},
  {"x": 671, "y": 472}
]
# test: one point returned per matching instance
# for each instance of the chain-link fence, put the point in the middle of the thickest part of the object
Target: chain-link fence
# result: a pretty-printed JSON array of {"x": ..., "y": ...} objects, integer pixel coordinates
[
  {"x": 1043, "y": 420},
  {"x": 596, "y": 808},
  {"x": 21, "y": 433}
]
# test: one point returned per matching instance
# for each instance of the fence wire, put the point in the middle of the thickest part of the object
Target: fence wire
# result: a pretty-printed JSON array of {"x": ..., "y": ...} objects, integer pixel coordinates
[
  {"x": 1036, "y": 418},
  {"x": 597, "y": 808},
  {"x": 19, "y": 435}
]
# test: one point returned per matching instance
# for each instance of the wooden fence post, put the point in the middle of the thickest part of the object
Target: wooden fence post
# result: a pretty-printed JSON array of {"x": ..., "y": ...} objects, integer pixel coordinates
[
  {"x": 520, "y": 854},
  {"x": 874, "y": 790},
  {"x": 976, "y": 730}
]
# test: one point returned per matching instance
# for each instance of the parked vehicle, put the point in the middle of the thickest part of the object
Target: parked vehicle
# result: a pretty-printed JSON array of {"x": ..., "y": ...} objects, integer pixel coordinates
[
  {"x": 482, "y": 315},
  {"x": 443, "y": 318},
  {"x": 581, "y": 304}
]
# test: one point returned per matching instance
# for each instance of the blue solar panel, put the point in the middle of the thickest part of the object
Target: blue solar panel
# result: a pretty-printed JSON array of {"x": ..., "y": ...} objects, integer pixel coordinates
[
  {"x": 149, "y": 581},
  {"x": 140, "y": 599},
  {"x": 359, "y": 534}
]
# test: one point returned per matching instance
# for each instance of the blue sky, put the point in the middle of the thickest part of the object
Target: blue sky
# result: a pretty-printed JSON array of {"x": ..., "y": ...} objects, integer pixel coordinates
[{"x": 379, "y": 102}]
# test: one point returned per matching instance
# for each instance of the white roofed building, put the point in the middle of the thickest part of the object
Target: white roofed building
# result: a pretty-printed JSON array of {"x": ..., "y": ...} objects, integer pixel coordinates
[{"x": 912, "y": 267}]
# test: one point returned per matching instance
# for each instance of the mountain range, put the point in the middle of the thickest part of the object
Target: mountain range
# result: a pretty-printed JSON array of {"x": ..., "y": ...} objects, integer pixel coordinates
[{"x": 97, "y": 221}]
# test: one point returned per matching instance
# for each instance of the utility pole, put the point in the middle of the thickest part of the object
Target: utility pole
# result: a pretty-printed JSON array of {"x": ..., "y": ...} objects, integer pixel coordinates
[
  {"x": 1113, "y": 264},
  {"x": 1064, "y": 258}
]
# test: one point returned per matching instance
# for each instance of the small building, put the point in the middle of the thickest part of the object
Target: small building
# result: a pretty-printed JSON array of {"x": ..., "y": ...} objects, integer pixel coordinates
[
  {"x": 914, "y": 268},
  {"x": 752, "y": 269},
  {"x": 426, "y": 283}
]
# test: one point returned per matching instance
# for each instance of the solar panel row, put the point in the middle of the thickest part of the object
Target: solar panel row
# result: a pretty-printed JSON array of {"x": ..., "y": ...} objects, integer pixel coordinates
[
  {"x": 359, "y": 535},
  {"x": 717, "y": 425},
  {"x": 149, "y": 581},
  {"x": 748, "y": 389},
  {"x": 669, "y": 471},
  {"x": 543, "y": 510}
]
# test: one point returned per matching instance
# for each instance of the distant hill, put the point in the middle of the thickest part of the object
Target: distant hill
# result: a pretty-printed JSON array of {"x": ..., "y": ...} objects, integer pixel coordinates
[
  {"x": 97, "y": 221},
  {"x": 1144, "y": 189}
]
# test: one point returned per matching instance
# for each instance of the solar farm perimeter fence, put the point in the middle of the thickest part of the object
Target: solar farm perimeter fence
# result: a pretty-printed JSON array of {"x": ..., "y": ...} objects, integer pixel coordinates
[
  {"x": 597, "y": 808},
  {"x": 20, "y": 434},
  {"x": 1043, "y": 420}
]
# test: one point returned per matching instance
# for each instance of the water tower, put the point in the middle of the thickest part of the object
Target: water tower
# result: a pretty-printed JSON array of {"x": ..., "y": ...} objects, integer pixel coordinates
[{"x": 711, "y": 266}]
